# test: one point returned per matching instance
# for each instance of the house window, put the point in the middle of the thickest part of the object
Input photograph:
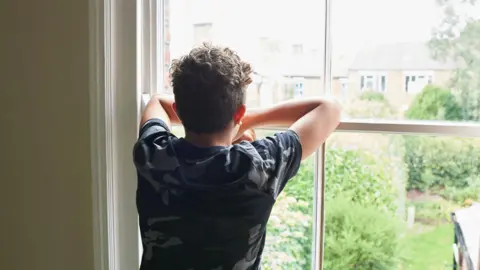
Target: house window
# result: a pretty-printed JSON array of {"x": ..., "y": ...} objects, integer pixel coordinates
[
  {"x": 202, "y": 32},
  {"x": 298, "y": 90},
  {"x": 297, "y": 48},
  {"x": 414, "y": 83},
  {"x": 373, "y": 83}
]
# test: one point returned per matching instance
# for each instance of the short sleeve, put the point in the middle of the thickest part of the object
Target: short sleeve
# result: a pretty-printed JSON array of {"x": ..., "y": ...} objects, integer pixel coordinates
[
  {"x": 154, "y": 133},
  {"x": 284, "y": 151}
]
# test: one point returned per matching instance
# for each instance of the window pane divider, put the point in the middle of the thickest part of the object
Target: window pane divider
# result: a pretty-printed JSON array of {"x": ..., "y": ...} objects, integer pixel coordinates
[{"x": 457, "y": 129}]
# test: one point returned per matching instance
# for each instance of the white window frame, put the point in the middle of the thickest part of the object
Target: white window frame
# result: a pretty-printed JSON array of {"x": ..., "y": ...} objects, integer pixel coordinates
[
  {"x": 420, "y": 73},
  {"x": 118, "y": 66},
  {"x": 376, "y": 79}
]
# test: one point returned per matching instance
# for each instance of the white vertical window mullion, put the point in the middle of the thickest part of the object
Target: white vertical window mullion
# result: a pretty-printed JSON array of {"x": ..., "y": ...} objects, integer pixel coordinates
[
  {"x": 153, "y": 45},
  {"x": 319, "y": 208},
  {"x": 319, "y": 177},
  {"x": 160, "y": 46},
  {"x": 143, "y": 46}
]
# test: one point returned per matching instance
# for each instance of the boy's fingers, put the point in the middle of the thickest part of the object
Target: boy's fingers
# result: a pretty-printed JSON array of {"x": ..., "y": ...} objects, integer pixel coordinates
[{"x": 248, "y": 135}]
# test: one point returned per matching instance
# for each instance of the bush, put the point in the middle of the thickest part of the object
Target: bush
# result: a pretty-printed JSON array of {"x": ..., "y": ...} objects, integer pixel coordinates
[
  {"x": 352, "y": 174},
  {"x": 360, "y": 237},
  {"x": 433, "y": 212},
  {"x": 289, "y": 235},
  {"x": 461, "y": 196},
  {"x": 372, "y": 96},
  {"x": 436, "y": 162},
  {"x": 369, "y": 105},
  {"x": 360, "y": 176},
  {"x": 434, "y": 103}
]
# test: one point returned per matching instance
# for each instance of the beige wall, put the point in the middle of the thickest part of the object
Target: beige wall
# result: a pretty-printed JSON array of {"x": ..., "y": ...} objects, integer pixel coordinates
[{"x": 45, "y": 194}]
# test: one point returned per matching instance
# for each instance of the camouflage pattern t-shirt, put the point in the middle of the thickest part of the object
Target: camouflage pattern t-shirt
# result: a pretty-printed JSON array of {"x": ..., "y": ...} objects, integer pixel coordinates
[{"x": 207, "y": 208}]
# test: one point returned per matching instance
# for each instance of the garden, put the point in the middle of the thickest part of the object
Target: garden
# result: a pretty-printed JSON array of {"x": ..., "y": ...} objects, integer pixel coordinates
[{"x": 374, "y": 183}]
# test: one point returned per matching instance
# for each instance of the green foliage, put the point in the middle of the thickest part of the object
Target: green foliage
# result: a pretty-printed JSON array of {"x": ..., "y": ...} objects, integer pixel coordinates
[
  {"x": 353, "y": 177},
  {"x": 434, "y": 103},
  {"x": 438, "y": 161},
  {"x": 289, "y": 240},
  {"x": 289, "y": 235},
  {"x": 433, "y": 212},
  {"x": 370, "y": 104},
  {"x": 359, "y": 176},
  {"x": 462, "y": 195},
  {"x": 360, "y": 237},
  {"x": 372, "y": 96},
  {"x": 454, "y": 41}
]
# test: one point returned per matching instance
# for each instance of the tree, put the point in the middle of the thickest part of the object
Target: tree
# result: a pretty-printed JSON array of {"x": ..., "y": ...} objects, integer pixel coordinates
[
  {"x": 438, "y": 162},
  {"x": 457, "y": 38},
  {"x": 434, "y": 103}
]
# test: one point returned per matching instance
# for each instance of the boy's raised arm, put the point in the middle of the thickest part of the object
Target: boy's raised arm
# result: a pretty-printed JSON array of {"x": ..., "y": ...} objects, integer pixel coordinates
[
  {"x": 160, "y": 107},
  {"x": 312, "y": 119}
]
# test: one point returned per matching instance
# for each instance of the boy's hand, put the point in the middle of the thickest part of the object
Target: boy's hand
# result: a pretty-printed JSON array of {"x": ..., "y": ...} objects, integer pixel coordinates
[{"x": 248, "y": 135}]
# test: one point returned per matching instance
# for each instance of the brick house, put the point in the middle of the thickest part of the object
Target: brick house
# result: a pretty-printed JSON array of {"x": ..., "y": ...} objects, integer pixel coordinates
[{"x": 398, "y": 70}]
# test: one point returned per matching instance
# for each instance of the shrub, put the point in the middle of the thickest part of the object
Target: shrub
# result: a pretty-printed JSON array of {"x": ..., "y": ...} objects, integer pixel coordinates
[
  {"x": 438, "y": 161},
  {"x": 434, "y": 103},
  {"x": 462, "y": 195},
  {"x": 289, "y": 235},
  {"x": 370, "y": 105},
  {"x": 372, "y": 96},
  {"x": 360, "y": 237},
  {"x": 360, "y": 176},
  {"x": 352, "y": 174},
  {"x": 433, "y": 212}
]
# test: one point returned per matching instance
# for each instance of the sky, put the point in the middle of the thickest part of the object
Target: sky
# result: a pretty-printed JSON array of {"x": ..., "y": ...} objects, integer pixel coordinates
[{"x": 355, "y": 23}]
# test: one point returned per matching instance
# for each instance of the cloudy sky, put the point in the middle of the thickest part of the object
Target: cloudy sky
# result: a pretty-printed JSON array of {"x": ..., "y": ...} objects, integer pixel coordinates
[{"x": 355, "y": 23}]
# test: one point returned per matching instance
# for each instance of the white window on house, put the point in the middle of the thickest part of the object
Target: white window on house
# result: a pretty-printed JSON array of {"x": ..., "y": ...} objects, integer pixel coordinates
[
  {"x": 373, "y": 82},
  {"x": 416, "y": 81},
  {"x": 297, "y": 48},
  {"x": 298, "y": 91},
  {"x": 202, "y": 32}
]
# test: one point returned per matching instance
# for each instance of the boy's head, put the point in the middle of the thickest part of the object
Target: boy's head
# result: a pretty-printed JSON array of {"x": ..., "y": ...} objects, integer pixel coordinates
[{"x": 209, "y": 85}]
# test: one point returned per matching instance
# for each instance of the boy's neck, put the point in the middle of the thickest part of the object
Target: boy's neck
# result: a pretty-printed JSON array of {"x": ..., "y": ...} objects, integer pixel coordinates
[{"x": 209, "y": 140}]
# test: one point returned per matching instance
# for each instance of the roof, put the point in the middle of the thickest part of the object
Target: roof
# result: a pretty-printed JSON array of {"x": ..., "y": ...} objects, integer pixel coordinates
[{"x": 399, "y": 56}]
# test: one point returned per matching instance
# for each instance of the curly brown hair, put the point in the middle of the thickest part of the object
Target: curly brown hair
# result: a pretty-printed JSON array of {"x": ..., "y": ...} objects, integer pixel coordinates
[{"x": 209, "y": 85}]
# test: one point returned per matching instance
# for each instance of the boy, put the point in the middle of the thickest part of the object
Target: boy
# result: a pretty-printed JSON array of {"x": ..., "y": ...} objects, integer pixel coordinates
[{"x": 204, "y": 203}]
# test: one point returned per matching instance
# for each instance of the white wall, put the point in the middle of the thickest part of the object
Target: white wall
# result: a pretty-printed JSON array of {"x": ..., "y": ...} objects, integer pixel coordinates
[{"x": 45, "y": 174}]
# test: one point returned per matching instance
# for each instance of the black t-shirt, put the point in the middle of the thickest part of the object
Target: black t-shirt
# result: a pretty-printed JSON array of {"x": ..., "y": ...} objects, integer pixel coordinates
[{"x": 207, "y": 208}]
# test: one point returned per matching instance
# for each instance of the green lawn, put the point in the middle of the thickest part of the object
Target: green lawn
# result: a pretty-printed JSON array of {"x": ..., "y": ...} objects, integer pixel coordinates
[{"x": 430, "y": 250}]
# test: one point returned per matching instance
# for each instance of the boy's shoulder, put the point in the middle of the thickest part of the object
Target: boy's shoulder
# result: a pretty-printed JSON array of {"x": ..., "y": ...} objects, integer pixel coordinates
[{"x": 269, "y": 162}]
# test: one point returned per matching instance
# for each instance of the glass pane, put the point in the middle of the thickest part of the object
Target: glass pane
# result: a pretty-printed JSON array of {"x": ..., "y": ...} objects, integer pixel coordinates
[
  {"x": 389, "y": 198},
  {"x": 435, "y": 43},
  {"x": 282, "y": 41}
]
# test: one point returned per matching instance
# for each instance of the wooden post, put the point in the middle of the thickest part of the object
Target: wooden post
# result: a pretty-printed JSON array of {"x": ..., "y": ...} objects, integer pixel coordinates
[{"x": 411, "y": 217}]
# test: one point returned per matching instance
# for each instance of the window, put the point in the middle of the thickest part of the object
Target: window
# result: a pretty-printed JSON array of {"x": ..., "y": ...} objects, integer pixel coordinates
[
  {"x": 297, "y": 48},
  {"x": 415, "y": 82},
  {"x": 202, "y": 33},
  {"x": 398, "y": 178},
  {"x": 373, "y": 83},
  {"x": 299, "y": 86}
]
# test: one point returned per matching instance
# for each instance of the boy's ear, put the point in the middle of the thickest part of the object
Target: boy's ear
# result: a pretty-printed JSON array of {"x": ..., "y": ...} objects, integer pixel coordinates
[
  {"x": 239, "y": 114},
  {"x": 174, "y": 106}
]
